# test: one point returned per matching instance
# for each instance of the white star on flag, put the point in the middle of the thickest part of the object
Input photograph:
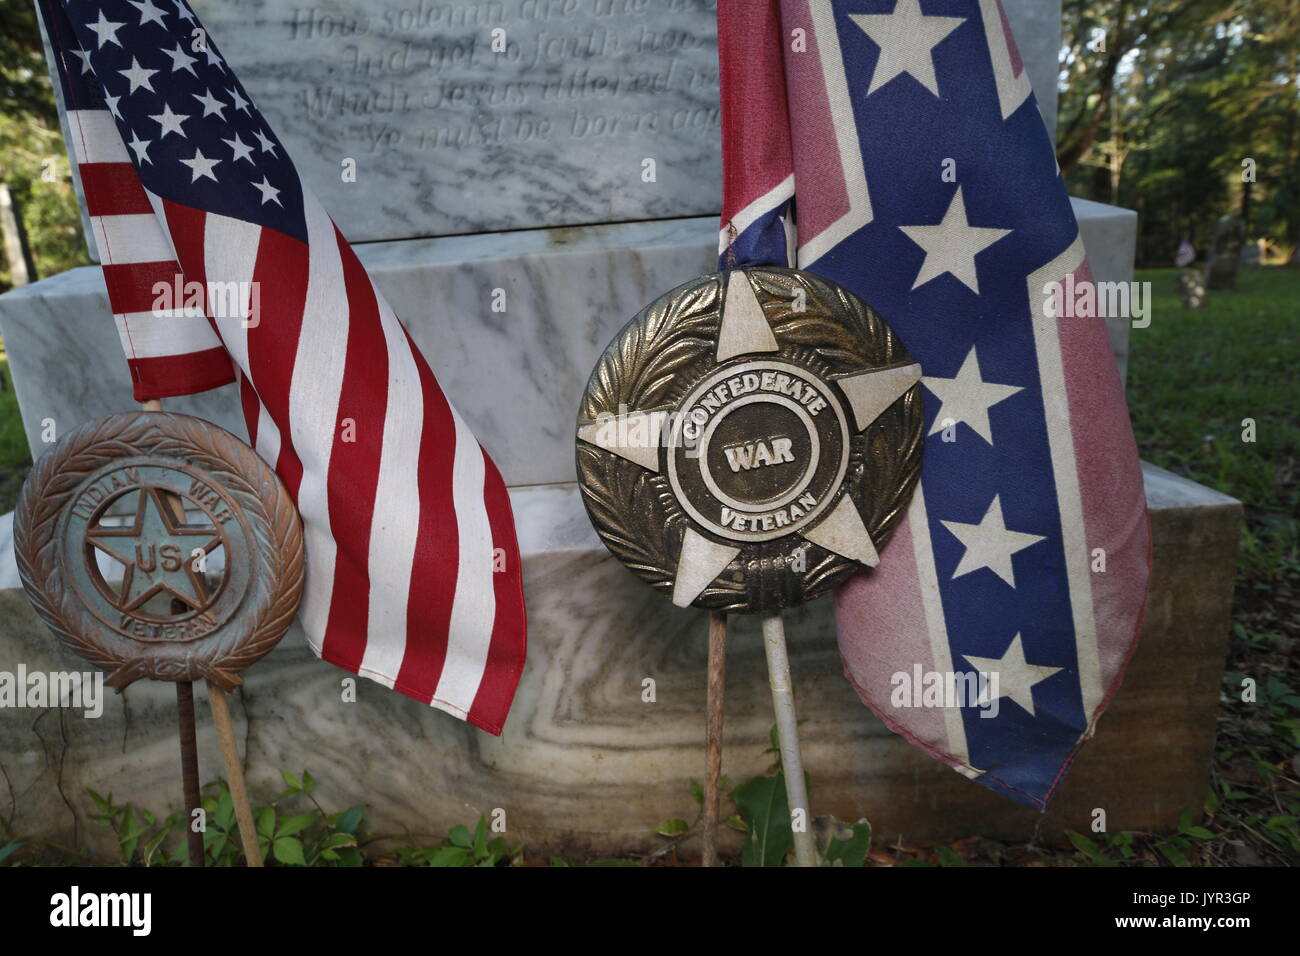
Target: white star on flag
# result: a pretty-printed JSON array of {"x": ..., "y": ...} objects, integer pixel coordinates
[
  {"x": 170, "y": 122},
  {"x": 269, "y": 192},
  {"x": 201, "y": 165},
  {"x": 241, "y": 149},
  {"x": 967, "y": 398},
  {"x": 241, "y": 104},
  {"x": 138, "y": 76},
  {"x": 106, "y": 30},
  {"x": 267, "y": 145},
  {"x": 149, "y": 13},
  {"x": 906, "y": 39},
  {"x": 990, "y": 544},
  {"x": 951, "y": 246},
  {"x": 182, "y": 60},
  {"x": 1015, "y": 676},
  {"x": 140, "y": 147},
  {"x": 211, "y": 105},
  {"x": 84, "y": 56}
]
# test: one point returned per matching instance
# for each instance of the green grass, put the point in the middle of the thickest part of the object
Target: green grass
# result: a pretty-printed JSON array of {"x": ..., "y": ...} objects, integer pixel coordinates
[
  {"x": 14, "y": 456},
  {"x": 1194, "y": 376}
]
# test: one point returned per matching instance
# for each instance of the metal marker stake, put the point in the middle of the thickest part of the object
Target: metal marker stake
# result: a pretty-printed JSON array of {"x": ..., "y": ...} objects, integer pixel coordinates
[
  {"x": 226, "y": 736},
  {"x": 787, "y": 728},
  {"x": 189, "y": 767},
  {"x": 717, "y": 678}
]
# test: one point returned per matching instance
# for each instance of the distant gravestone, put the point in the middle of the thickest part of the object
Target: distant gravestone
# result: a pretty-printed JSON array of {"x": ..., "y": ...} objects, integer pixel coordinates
[
  {"x": 1191, "y": 288},
  {"x": 1225, "y": 252}
]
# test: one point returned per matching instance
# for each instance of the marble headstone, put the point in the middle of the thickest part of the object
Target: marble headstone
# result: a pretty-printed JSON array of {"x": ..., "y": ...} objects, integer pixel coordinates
[{"x": 467, "y": 116}]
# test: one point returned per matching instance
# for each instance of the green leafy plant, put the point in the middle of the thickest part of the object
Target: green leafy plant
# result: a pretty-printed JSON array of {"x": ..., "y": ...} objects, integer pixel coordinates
[
  {"x": 764, "y": 818},
  {"x": 140, "y": 836},
  {"x": 462, "y": 848},
  {"x": 314, "y": 838}
]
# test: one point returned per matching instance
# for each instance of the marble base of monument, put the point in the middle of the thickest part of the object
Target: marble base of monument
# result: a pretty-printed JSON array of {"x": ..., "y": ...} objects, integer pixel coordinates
[{"x": 585, "y": 766}]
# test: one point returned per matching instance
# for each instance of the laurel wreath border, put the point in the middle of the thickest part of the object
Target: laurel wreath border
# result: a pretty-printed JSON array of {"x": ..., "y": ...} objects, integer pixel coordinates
[
  {"x": 275, "y": 586},
  {"x": 652, "y": 364}
]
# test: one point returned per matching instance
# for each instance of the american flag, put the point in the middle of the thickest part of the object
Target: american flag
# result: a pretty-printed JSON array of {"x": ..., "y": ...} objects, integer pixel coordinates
[
  {"x": 895, "y": 147},
  {"x": 412, "y": 572}
]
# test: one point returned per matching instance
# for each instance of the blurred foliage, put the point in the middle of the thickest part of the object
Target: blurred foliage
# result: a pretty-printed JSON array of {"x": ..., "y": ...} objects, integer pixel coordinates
[
  {"x": 1161, "y": 103},
  {"x": 32, "y": 159}
]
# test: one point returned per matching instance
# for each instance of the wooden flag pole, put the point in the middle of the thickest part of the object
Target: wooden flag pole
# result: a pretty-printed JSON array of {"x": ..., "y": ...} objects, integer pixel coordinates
[
  {"x": 235, "y": 774},
  {"x": 787, "y": 728},
  {"x": 226, "y": 737},
  {"x": 717, "y": 678}
]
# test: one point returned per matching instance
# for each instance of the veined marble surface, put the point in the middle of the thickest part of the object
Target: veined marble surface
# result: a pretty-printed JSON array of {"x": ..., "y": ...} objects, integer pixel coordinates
[
  {"x": 450, "y": 137},
  {"x": 587, "y": 765},
  {"x": 516, "y": 375}
]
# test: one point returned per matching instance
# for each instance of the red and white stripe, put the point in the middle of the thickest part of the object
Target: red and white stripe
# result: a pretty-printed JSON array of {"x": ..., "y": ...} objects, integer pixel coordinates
[
  {"x": 413, "y": 575},
  {"x": 168, "y": 351}
]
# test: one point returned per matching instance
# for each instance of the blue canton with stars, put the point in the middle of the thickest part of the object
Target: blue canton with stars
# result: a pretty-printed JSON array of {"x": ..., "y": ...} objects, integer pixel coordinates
[{"x": 192, "y": 131}]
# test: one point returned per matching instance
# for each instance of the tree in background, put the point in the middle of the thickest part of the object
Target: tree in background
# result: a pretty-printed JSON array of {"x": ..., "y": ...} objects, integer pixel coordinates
[
  {"x": 33, "y": 163},
  {"x": 1161, "y": 103},
  {"x": 1184, "y": 110}
]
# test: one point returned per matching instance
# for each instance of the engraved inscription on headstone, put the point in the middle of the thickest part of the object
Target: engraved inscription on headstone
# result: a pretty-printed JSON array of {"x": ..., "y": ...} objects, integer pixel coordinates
[{"x": 486, "y": 114}]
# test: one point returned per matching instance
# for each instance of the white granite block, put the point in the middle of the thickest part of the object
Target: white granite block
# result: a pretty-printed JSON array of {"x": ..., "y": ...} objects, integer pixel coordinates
[{"x": 515, "y": 375}]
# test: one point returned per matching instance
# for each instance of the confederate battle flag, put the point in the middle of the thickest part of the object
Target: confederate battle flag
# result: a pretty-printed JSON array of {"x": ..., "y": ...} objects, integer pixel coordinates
[{"x": 895, "y": 147}]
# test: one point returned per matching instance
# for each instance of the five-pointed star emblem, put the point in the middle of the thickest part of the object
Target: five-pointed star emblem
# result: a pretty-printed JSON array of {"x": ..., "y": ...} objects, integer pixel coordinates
[
  {"x": 269, "y": 192},
  {"x": 241, "y": 104},
  {"x": 157, "y": 552},
  {"x": 990, "y": 544},
  {"x": 84, "y": 56},
  {"x": 267, "y": 144},
  {"x": 906, "y": 39},
  {"x": 182, "y": 60},
  {"x": 744, "y": 329},
  {"x": 149, "y": 13},
  {"x": 967, "y": 398},
  {"x": 241, "y": 149},
  {"x": 170, "y": 122},
  {"x": 211, "y": 105},
  {"x": 951, "y": 245},
  {"x": 200, "y": 166},
  {"x": 1015, "y": 676},
  {"x": 139, "y": 77},
  {"x": 140, "y": 147},
  {"x": 106, "y": 30}
]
